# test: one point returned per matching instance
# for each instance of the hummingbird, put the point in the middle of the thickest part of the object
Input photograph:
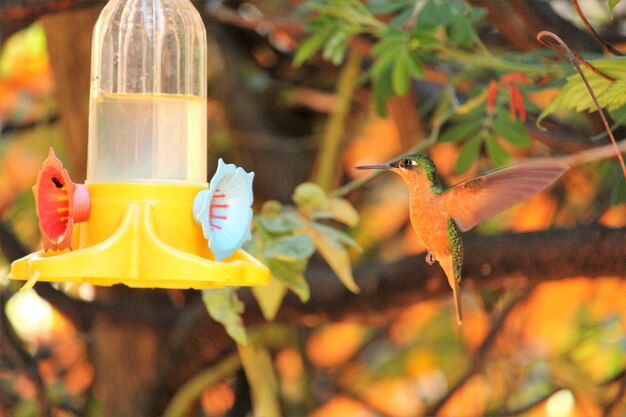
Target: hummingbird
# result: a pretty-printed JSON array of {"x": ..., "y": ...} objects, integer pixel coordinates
[{"x": 439, "y": 215}]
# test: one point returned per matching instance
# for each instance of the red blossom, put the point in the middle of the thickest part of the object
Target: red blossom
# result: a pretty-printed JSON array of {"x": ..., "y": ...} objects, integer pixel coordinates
[
  {"x": 517, "y": 109},
  {"x": 516, "y": 104},
  {"x": 492, "y": 91}
]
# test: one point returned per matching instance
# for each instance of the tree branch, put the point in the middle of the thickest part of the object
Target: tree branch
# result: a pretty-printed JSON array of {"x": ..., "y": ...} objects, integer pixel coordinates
[
  {"x": 17, "y": 14},
  {"x": 333, "y": 136},
  {"x": 508, "y": 260},
  {"x": 593, "y": 32},
  {"x": 480, "y": 355},
  {"x": 10, "y": 245}
]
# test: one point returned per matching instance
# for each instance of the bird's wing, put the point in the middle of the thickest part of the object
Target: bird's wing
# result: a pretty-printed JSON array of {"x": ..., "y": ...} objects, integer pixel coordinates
[{"x": 473, "y": 200}]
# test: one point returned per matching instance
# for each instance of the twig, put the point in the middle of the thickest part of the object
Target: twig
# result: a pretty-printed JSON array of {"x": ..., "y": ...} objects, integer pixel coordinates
[
  {"x": 527, "y": 407},
  {"x": 524, "y": 408},
  {"x": 561, "y": 46},
  {"x": 593, "y": 32},
  {"x": 617, "y": 377},
  {"x": 231, "y": 17},
  {"x": 190, "y": 392},
  {"x": 257, "y": 363},
  {"x": 11, "y": 129},
  {"x": 332, "y": 137},
  {"x": 493, "y": 62},
  {"x": 573, "y": 56},
  {"x": 619, "y": 396},
  {"x": 481, "y": 354}
]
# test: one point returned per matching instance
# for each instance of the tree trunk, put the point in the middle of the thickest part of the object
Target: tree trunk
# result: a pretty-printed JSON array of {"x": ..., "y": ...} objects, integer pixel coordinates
[
  {"x": 124, "y": 357},
  {"x": 69, "y": 46}
]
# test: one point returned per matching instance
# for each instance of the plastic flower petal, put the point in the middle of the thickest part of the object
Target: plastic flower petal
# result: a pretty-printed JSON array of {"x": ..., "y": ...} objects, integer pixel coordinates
[
  {"x": 60, "y": 204},
  {"x": 224, "y": 210}
]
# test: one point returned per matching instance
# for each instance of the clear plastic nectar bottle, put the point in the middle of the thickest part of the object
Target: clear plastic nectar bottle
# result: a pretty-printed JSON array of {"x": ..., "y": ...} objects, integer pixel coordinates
[{"x": 147, "y": 114}]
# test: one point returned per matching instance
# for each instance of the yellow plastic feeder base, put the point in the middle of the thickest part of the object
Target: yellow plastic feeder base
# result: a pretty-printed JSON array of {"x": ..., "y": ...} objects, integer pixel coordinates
[{"x": 141, "y": 235}]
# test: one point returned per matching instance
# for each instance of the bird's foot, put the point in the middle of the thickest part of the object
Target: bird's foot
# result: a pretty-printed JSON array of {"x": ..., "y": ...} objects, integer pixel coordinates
[{"x": 430, "y": 258}]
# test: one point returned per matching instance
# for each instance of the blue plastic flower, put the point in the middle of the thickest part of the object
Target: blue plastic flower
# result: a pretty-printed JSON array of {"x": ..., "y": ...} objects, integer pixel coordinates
[{"x": 224, "y": 210}]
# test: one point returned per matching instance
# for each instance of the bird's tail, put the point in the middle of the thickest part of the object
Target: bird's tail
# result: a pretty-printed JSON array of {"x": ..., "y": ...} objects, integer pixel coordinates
[
  {"x": 448, "y": 268},
  {"x": 456, "y": 292}
]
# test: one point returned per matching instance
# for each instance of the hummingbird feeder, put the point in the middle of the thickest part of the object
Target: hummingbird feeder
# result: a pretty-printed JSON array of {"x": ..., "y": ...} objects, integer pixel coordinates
[{"x": 145, "y": 216}]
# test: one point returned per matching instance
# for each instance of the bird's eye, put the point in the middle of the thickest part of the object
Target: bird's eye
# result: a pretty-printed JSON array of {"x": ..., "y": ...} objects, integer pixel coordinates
[{"x": 406, "y": 163}]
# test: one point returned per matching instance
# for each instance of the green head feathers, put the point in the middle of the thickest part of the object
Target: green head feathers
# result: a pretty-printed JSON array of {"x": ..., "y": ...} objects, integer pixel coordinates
[{"x": 420, "y": 164}]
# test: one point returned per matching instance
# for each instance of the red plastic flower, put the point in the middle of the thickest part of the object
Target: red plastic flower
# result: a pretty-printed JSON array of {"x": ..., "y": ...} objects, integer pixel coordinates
[{"x": 60, "y": 204}]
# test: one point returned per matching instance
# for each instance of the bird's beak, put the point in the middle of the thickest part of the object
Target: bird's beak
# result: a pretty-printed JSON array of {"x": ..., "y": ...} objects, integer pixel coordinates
[{"x": 378, "y": 166}]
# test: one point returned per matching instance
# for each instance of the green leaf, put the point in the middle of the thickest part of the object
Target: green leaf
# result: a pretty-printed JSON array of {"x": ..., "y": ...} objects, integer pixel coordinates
[
  {"x": 613, "y": 3},
  {"x": 271, "y": 208},
  {"x": 460, "y": 131},
  {"x": 337, "y": 257},
  {"x": 289, "y": 248},
  {"x": 291, "y": 274},
  {"x": 95, "y": 407},
  {"x": 336, "y": 235},
  {"x": 311, "y": 45},
  {"x": 435, "y": 12},
  {"x": 225, "y": 308},
  {"x": 385, "y": 7},
  {"x": 382, "y": 90},
  {"x": 461, "y": 31},
  {"x": 390, "y": 41},
  {"x": 383, "y": 63},
  {"x": 514, "y": 131},
  {"x": 575, "y": 96},
  {"x": 476, "y": 14},
  {"x": 343, "y": 211},
  {"x": 400, "y": 75},
  {"x": 414, "y": 66},
  {"x": 423, "y": 36},
  {"x": 282, "y": 223},
  {"x": 401, "y": 17},
  {"x": 26, "y": 408},
  {"x": 270, "y": 297},
  {"x": 496, "y": 152},
  {"x": 468, "y": 153},
  {"x": 380, "y": 99},
  {"x": 618, "y": 195},
  {"x": 618, "y": 115},
  {"x": 336, "y": 46},
  {"x": 615, "y": 96},
  {"x": 310, "y": 196}
]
